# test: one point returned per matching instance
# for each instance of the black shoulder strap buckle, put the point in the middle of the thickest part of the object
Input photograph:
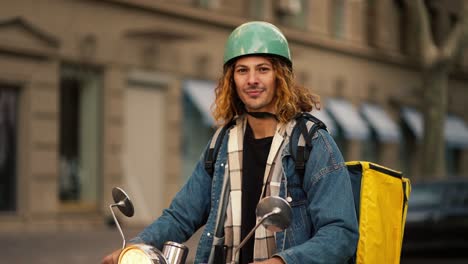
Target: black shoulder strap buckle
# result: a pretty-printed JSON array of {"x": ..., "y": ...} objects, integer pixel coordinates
[{"x": 304, "y": 148}]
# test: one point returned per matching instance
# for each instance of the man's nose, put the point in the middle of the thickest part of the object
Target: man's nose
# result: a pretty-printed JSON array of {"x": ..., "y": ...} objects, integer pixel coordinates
[{"x": 252, "y": 78}]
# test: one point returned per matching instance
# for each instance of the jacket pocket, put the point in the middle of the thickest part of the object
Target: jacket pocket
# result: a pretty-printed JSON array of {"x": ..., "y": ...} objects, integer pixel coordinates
[
  {"x": 299, "y": 230},
  {"x": 299, "y": 211}
]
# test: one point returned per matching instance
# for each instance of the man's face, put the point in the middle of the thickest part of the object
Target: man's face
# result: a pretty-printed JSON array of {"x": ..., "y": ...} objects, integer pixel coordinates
[{"x": 254, "y": 78}]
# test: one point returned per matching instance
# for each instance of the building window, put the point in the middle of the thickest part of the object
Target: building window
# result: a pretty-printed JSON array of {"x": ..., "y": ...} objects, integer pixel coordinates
[
  {"x": 292, "y": 13},
  {"x": 209, "y": 4},
  {"x": 371, "y": 148},
  {"x": 342, "y": 143},
  {"x": 453, "y": 161},
  {"x": 403, "y": 31},
  {"x": 257, "y": 9},
  {"x": 337, "y": 23},
  {"x": 408, "y": 151},
  {"x": 8, "y": 147},
  {"x": 79, "y": 134},
  {"x": 202, "y": 65},
  {"x": 371, "y": 24}
]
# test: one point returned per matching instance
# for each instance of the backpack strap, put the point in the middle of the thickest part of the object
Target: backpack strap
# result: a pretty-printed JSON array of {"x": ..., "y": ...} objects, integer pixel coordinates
[
  {"x": 212, "y": 152},
  {"x": 218, "y": 252},
  {"x": 306, "y": 127}
]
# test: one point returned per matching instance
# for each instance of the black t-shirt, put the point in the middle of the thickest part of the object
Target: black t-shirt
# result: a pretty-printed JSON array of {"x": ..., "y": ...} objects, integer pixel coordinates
[{"x": 255, "y": 155}]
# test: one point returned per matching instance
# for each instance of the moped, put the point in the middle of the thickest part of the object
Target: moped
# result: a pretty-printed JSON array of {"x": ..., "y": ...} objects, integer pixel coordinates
[{"x": 273, "y": 212}]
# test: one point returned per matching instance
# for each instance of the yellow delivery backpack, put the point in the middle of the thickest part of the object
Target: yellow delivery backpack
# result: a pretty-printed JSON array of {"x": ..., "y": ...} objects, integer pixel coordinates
[{"x": 381, "y": 199}]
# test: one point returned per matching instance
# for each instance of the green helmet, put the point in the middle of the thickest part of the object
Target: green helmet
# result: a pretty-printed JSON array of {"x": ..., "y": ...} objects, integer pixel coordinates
[{"x": 256, "y": 37}]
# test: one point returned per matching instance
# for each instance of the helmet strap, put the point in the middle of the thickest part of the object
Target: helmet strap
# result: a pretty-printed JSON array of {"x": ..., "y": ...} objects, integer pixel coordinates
[{"x": 262, "y": 115}]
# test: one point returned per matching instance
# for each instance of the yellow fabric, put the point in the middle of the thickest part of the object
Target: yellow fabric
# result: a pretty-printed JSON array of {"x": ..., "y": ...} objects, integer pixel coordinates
[
  {"x": 408, "y": 192},
  {"x": 382, "y": 215}
]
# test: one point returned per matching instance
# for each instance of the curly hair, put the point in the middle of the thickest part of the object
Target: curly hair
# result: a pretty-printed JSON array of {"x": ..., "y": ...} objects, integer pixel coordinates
[{"x": 290, "y": 98}]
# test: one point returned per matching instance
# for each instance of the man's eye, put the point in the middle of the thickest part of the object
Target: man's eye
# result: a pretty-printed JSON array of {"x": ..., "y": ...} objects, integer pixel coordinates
[
  {"x": 264, "y": 69},
  {"x": 241, "y": 70}
]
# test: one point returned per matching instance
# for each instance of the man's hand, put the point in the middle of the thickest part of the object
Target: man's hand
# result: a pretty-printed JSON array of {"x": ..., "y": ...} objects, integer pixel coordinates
[
  {"x": 112, "y": 258},
  {"x": 273, "y": 260}
]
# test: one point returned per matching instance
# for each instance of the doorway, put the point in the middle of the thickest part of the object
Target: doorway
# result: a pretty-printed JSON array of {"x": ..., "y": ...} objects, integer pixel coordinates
[{"x": 144, "y": 149}]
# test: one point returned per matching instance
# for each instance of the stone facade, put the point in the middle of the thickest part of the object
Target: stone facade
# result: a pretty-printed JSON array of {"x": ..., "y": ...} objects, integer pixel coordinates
[{"x": 162, "y": 43}]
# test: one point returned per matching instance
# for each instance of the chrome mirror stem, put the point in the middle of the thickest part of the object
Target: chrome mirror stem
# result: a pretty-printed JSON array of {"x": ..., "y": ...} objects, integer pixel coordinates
[
  {"x": 117, "y": 223},
  {"x": 275, "y": 211}
]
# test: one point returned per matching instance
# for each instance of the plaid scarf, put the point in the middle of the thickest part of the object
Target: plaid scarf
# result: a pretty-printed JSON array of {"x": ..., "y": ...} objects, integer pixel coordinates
[{"x": 264, "y": 245}]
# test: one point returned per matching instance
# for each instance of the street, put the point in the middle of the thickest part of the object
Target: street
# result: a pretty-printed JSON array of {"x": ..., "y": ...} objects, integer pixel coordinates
[
  {"x": 83, "y": 246},
  {"x": 433, "y": 261},
  {"x": 71, "y": 247},
  {"x": 91, "y": 245}
]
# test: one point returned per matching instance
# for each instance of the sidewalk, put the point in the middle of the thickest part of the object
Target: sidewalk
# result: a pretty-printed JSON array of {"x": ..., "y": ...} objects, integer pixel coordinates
[{"x": 71, "y": 247}]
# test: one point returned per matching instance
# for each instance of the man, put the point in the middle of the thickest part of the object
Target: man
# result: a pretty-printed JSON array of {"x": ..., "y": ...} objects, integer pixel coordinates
[{"x": 257, "y": 90}]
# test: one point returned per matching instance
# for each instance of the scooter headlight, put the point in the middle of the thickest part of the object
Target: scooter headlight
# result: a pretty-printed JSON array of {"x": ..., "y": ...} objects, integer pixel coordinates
[{"x": 141, "y": 254}]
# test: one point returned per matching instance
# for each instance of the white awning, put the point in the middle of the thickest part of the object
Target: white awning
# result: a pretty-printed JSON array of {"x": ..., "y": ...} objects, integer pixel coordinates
[
  {"x": 385, "y": 128},
  {"x": 348, "y": 118},
  {"x": 202, "y": 95},
  {"x": 414, "y": 121},
  {"x": 456, "y": 131},
  {"x": 326, "y": 119}
]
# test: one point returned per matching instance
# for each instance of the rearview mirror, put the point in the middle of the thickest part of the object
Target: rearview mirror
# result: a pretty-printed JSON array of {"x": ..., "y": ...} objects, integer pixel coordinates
[
  {"x": 123, "y": 202},
  {"x": 276, "y": 211}
]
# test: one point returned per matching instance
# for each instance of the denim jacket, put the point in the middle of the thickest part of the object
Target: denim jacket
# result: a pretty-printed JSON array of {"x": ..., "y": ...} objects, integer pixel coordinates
[{"x": 324, "y": 226}]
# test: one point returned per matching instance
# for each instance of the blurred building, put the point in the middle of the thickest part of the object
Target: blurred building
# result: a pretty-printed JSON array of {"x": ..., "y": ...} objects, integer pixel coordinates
[{"x": 96, "y": 94}]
